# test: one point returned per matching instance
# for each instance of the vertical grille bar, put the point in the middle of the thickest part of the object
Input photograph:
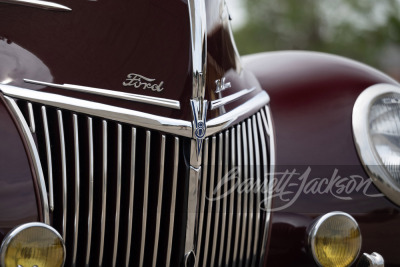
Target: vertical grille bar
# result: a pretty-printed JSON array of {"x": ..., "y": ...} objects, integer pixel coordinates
[
  {"x": 218, "y": 202},
  {"x": 49, "y": 159},
  {"x": 258, "y": 197},
  {"x": 210, "y": 203},
  {"x": 159, "y": 201},
  {"x": 173, "y": 202},
  {"x": 239, "y": 202},
  {"x": 31, "y": 118},
  {"x": 245, "y": 202},
  {"x": 270, "y": 133},
  {"x": 203, "y": 197},
  {"x": 91, "y": 185},
  {"x": 251, "y": 204},
  {"x": 264, "y": 119},
  {"x": 64, "y": 174},
  {"x": 131, "y": 196},
  {"x": 232, "y": 198},
  {"x": 224, "y": 199},
  {"x": 265, "y": 175},
  {"x": 118, "y": 195},
  {"x": 145, "y": 198},
  {"x": 104, "y": 193},
  {"x": 77, "y": 187}
]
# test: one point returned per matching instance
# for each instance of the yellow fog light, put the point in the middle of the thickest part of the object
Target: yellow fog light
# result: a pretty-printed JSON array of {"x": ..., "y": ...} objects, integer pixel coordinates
[
  {"x": 32, "y": 244},
  {"x": 335, "y": 239}
]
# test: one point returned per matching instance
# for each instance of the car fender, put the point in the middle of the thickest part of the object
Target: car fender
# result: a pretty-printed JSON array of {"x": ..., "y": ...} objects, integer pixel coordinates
[{"x": 312, "y": 98}]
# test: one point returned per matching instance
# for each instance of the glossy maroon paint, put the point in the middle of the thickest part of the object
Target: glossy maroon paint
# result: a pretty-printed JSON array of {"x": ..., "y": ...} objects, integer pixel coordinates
[
  {"x": 98, "y": 44},
  {"x": 223, "y": 60},
  {"x": 312, "y": 98},
  {"x": 18, "y": 203}
]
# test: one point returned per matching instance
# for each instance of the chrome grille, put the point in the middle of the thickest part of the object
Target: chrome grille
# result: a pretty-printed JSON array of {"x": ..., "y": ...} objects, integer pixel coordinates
[
  {"x": 115, "y": 196},
  {"x": 112, "y": 188},
  {"x": 232, "y": 230}
]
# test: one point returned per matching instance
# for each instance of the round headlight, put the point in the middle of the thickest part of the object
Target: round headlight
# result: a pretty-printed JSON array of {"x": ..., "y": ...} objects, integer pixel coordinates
[
  {"x": 335, "y": 240},
  {"x": 33, "y": 244},
  {"x": 376, "y": 128}
]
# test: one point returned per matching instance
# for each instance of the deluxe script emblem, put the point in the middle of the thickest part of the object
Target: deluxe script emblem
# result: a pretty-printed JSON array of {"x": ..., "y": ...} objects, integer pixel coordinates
[{"x": 139, "y": 81}]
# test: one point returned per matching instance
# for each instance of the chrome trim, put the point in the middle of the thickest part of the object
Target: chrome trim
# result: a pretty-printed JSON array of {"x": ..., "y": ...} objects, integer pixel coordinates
[
  {"x": 368, "y": 156},
  {"x": 238, "y": 114},
  {"x": 317, "y": 224},
  {"x": 199, "y": 110},
  {"x": 118, "y": 196},
  {"x": 33, "y": 154},
  {"x": 190, "y": 259},
  {"x": 245, "y": 201},
  {"x": 91, "y": 189},
  {"x": 145, "y": 197},
  {"x": 38, "y": 4},
  {"x": 268, "y": 178},
  {"x": 203, "y": 196},
  {"x": 197, "y": 16},
  {"x": 173, "y": 201},
  {"x": 258, "y": 195},
  {"x": 193, "y": 206},
  {"x": 266, "y": 123},
  {"x": 49, "y": 159},
  {"x": 272, "y": 153},
  {"x": 371, "y": 260},
  {"x": 159, "y": 200},
  {"x": 131, "y": 196},
  {"x": 104, "y": 193},
  {"x": 77, "y": 187},
  {"x": 31, "y": 118},
  {"x": 231, "y": 201},
  {"x": 17, "y": 230},
  {"x": 239, "y": 205},
  {"x": 224, "y": 199},
  {"x": 64, "y": 173},
  {"x": 221, "y": 85},
  {"x": 210, "y": 203},
  {"x": 157, "y": 101},
  {"x": 230, "y": 98},
  {"x": 173, "y": 126},
  {"x": 218, "y": 202},
  {"x": 251, "y": 197}
]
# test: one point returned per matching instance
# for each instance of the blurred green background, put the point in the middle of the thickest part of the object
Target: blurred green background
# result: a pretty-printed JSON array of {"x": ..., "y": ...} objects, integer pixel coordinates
[{"x": 364, "y": 30}]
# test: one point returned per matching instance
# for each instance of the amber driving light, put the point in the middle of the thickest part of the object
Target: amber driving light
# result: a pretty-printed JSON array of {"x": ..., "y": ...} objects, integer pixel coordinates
[
  {"x": 32, "y": 244},
  {"x": 335, "y": 240}
]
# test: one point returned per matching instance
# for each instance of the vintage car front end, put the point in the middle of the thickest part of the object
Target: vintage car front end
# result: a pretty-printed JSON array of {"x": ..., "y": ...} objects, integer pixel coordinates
[{"x": 133, "y": 135}]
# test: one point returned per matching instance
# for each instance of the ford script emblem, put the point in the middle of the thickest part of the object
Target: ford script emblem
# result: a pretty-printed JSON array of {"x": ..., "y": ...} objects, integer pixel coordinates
[{"x": 139, "y": 81}]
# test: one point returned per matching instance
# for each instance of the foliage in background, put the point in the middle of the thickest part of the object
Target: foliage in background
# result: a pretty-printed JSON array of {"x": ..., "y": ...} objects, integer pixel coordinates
[{"x": 367, "y": 30}]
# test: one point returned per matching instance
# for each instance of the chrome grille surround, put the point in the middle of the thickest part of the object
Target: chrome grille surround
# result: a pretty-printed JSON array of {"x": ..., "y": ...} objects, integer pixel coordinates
[{"x": 92, "y": 127}]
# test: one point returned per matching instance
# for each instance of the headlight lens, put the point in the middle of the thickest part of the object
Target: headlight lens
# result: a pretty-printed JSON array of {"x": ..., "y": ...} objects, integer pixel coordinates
[
  {"x": 376, "y": 129},
  {"x": 335, "y": 240},
  {"x": 33, "y": 244},
  {"x": 384, "y": 130}
]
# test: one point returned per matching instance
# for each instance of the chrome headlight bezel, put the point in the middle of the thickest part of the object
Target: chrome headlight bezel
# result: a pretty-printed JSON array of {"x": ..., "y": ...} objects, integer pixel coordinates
[
  {"x": 368, "y": 155},
  {"x": 9, "y": 238}
]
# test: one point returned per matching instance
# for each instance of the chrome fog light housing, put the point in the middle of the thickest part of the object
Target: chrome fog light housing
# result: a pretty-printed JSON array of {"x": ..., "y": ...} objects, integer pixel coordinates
[
  {"x": 335, "y": 240},
  {"x": 376, "y": 129},
  {"x": 32, "y": 244}
]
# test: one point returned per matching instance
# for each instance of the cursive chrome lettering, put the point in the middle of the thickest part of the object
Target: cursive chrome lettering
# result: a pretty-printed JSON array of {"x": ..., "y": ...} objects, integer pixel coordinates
[{"x": 139, "y": 81}]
